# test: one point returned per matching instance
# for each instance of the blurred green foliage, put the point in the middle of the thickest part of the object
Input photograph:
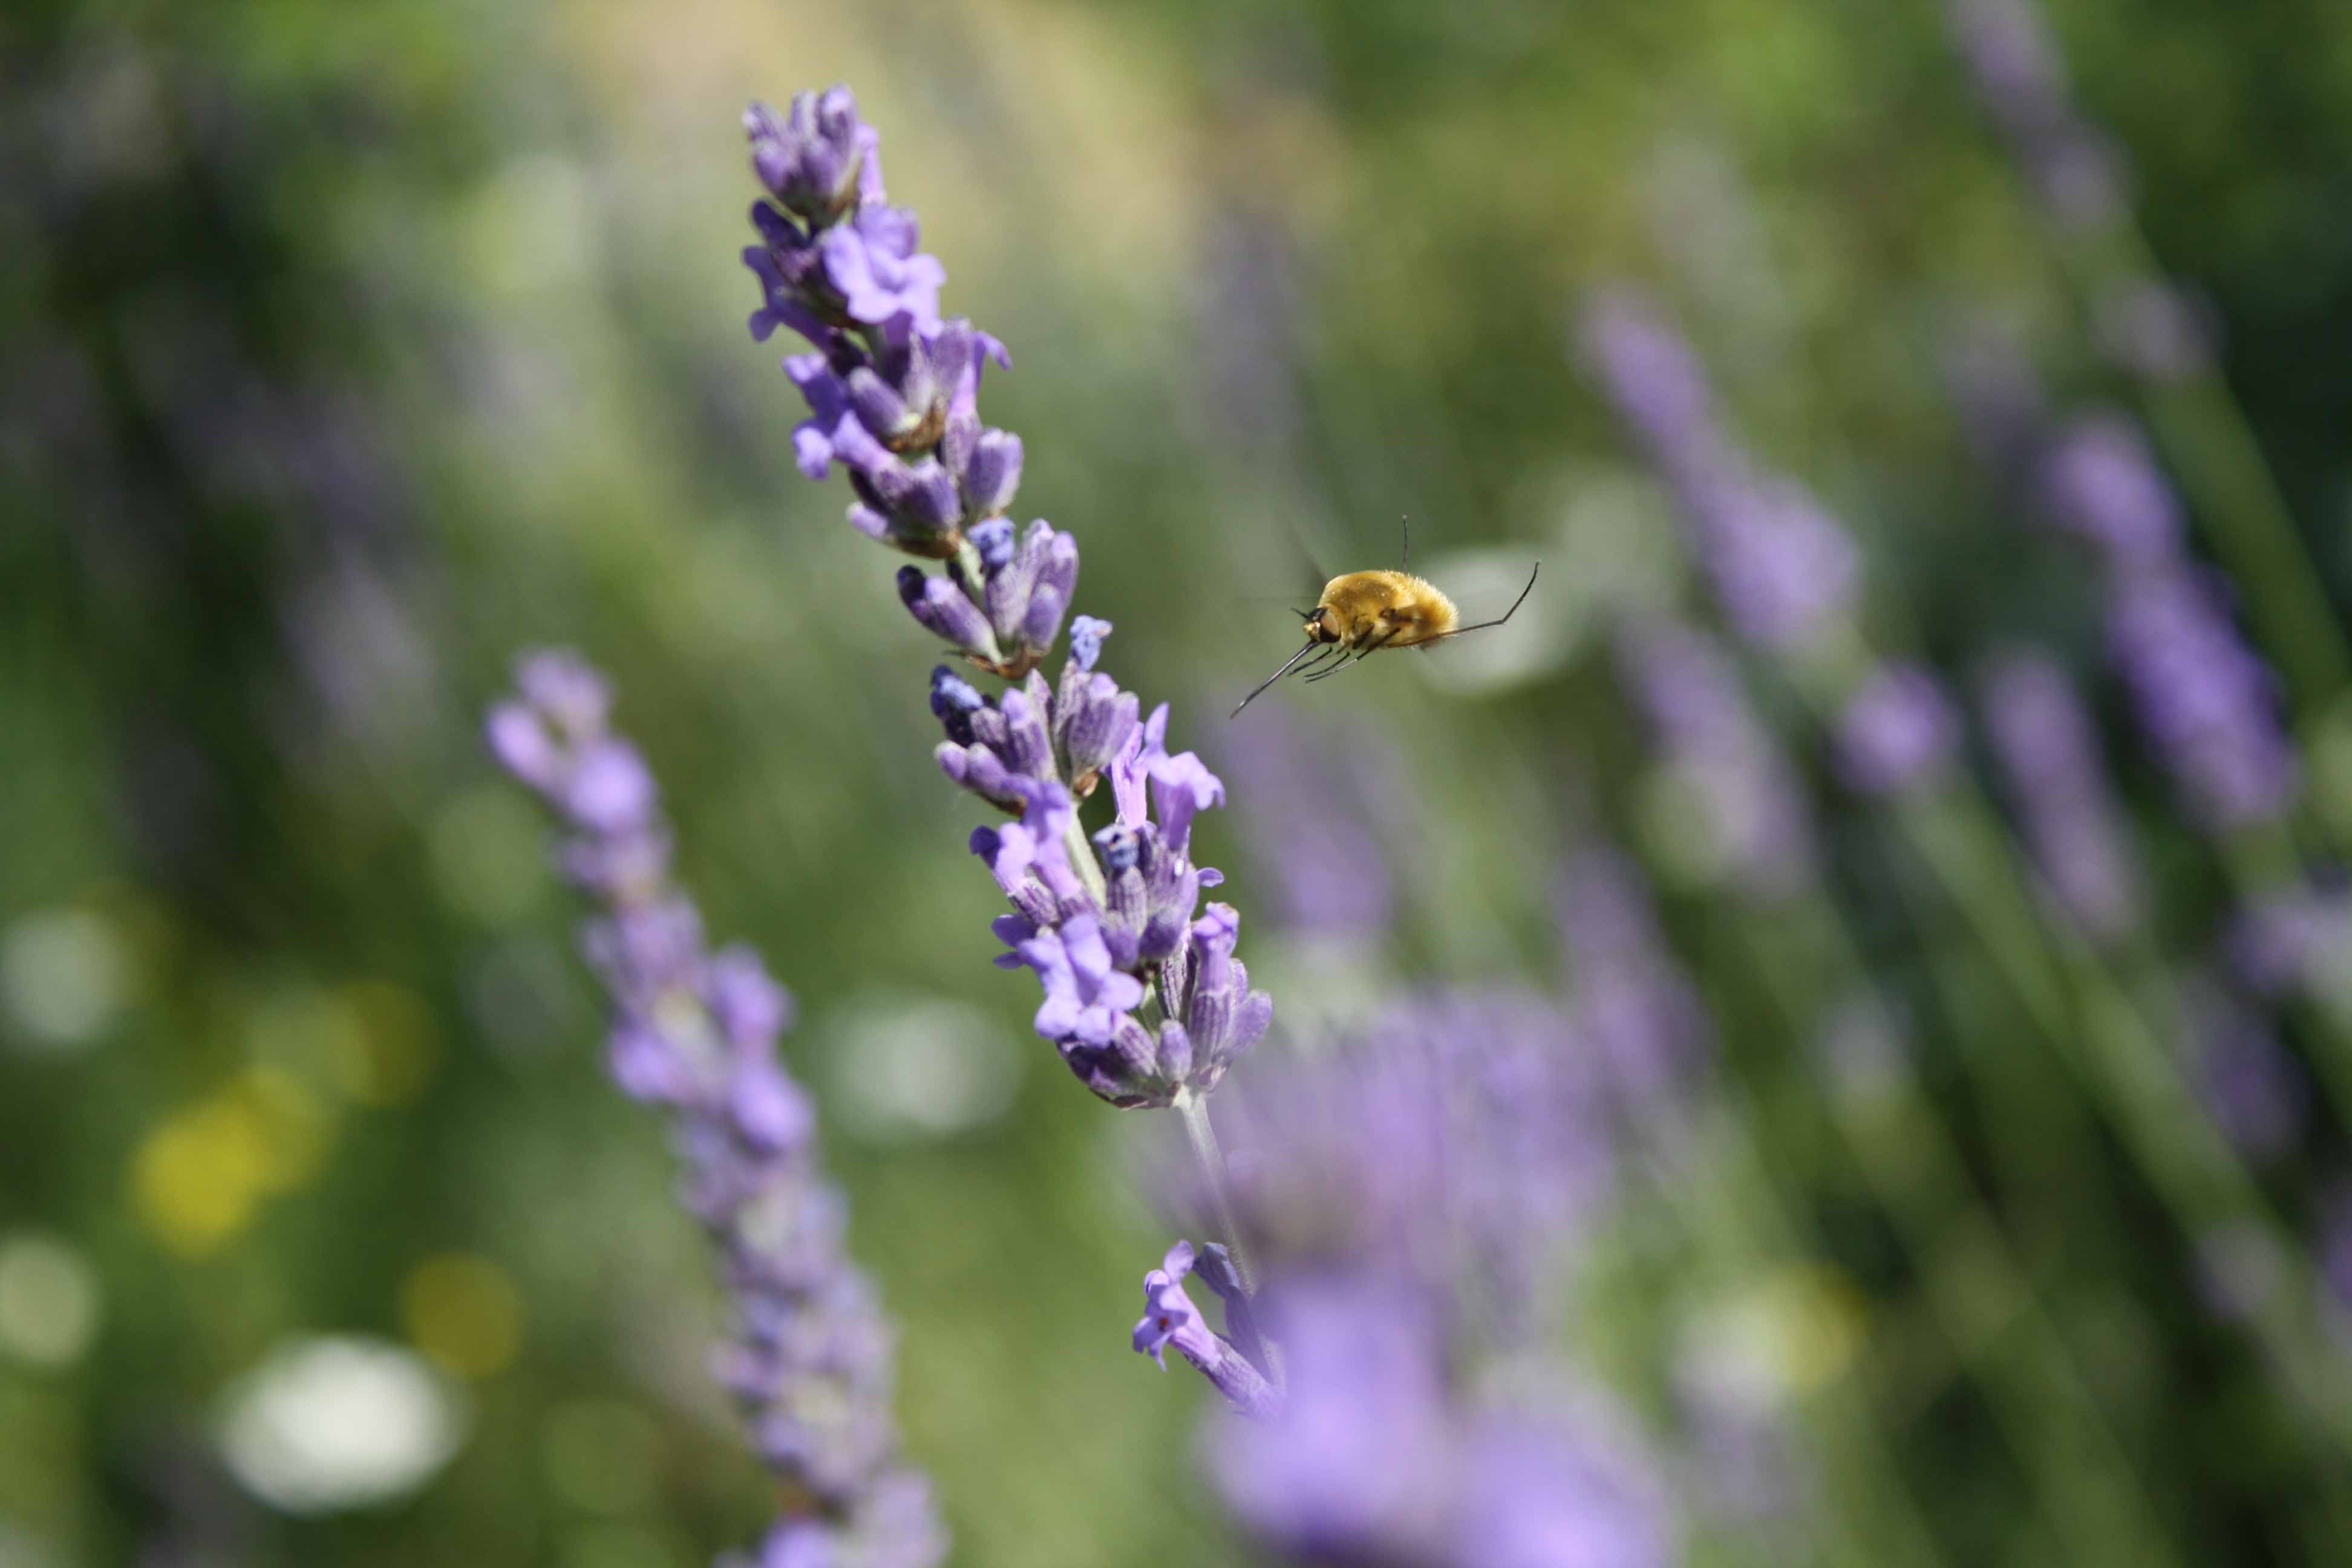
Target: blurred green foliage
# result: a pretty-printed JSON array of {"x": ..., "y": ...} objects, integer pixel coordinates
[{"x": 351, "y": 349}]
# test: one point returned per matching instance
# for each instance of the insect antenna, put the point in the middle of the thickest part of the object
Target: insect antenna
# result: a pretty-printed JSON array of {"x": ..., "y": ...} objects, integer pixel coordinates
[
  {"x": 1277, "y": 675},
  {"x": 1404, "y": 521},
  {"x": 1499, "y": 620}
]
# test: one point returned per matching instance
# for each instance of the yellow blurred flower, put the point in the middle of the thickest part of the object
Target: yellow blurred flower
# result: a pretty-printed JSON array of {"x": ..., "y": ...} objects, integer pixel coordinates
[
  {"x": 389, "y": 1057},
  {"x": 463, "y": 1311},
  {"x": 198, "y": 1175}
]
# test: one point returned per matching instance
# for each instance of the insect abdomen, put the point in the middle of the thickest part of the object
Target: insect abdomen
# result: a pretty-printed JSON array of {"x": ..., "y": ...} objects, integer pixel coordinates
[{"x": 1387, "y": 609}]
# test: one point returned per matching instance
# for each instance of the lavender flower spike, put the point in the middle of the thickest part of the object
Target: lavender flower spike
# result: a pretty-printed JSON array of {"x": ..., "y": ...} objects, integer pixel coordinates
[
  {"x": 809, "y": 1359},
  {"x": 1142, "y": 996},
  {"x": 2206, "y": 701},
  {"x": 1751, "y": 811},
  {"x": 1782, "y": 568}
]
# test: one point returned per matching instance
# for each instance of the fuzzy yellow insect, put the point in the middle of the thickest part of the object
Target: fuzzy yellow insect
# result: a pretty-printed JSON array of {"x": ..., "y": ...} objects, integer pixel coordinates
[{"x": 1361, "y": 613}]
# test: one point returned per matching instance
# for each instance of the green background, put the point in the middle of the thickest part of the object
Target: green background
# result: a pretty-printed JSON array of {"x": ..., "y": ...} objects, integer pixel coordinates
[{"x": 348, "y": 349}]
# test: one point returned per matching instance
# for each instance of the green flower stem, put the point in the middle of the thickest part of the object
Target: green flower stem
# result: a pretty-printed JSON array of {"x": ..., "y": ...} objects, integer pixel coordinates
[
  {"x": 2090, "y": 1500},
  {"x": 1730, "y": 1206},
  {"x": 2090, "y": 1020},
  {"x": 1193, "y": 1111},
  {"x": 1082, "y": 859}
]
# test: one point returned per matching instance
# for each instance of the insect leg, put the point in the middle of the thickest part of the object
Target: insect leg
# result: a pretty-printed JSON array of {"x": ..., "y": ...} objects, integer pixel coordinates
[
  {"x": 1369, "y": 648},
  {"x": 1318, "y": 664},
  {"x": 1499, "y": 620}
]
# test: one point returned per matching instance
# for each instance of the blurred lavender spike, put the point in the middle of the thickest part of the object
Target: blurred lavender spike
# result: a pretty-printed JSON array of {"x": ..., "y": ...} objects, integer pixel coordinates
[
  {"x": 1634, "y": 1007},
  {"x": 1317, "y": 795},
  {"x": 2003, "y": 411},
  {"x": 2049, "y": 757},
  {"x": 2021, "y": 80},
  {"x": 2256, "y": 1094},
  {"x": 810, "y": 1360},
  {"x": 1752, "y": 809},
  {"x": 1782, "y": 568},
  {"x": 1414, "y": 1199},
  {"x": 2100, "y": 482},
  {"x": 1144, "y": 998},
  {"x": 2209, "y": 704},
  {"x": 2294, "y": 940},
  {"x": 2210, "y": 707}
]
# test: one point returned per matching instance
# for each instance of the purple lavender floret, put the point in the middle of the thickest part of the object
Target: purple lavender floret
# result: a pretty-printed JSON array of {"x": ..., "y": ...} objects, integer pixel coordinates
[
  {"x": 1896, "y": 731},
  {"x": 2294, "y": 940},
  {"x": 2100, "y": 481},
  {"x": 809, "y": 1360},
  {"x": 1023, "y": 585},
  {"x": 893, "y": 387},
  {"x": 872, "y": 263},
  {"x": 810, "y": 158},
  {"x": 1093, "y": 945},
  {"x": 1691, "y": 698},
  {"x": 1780, "y": 566},
  {"x": 1170, "y": 1319},
  {"x": 2206, "y": 701}
]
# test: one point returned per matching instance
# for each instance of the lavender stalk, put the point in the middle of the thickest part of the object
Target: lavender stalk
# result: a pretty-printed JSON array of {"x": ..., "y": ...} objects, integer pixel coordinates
[
  {"x": 1144, "y": 998},
  {"x": 809, "y": 1360}
]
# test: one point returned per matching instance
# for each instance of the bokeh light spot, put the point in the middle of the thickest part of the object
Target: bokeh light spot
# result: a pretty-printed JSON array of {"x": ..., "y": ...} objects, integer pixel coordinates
[
  {"x": 48, "y": 1300},
  {"x": 622, "y": 1546},
  {"x": 464, "y": 1312},
  {"x": 392, "y": 1053},
  {"x": 489, "y": 856},
  {"x": 62, "y": 975},
  {"x": 913, "y": 1068},
  {"x": 336, "y": 1422},
  {"x": 197, "y": 1176}
]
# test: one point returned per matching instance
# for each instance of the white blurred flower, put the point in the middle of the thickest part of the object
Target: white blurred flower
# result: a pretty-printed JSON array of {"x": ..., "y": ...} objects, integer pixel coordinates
[
  {"x": 333, "y": 1423},
  {"x": 18, "y": 1550},
  {"x": 61, "y": 976},
  {"x": 1482, "y": 583},
  {"x": 48, "y": 1300},
  {"x": 906, "y": 1067}
]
